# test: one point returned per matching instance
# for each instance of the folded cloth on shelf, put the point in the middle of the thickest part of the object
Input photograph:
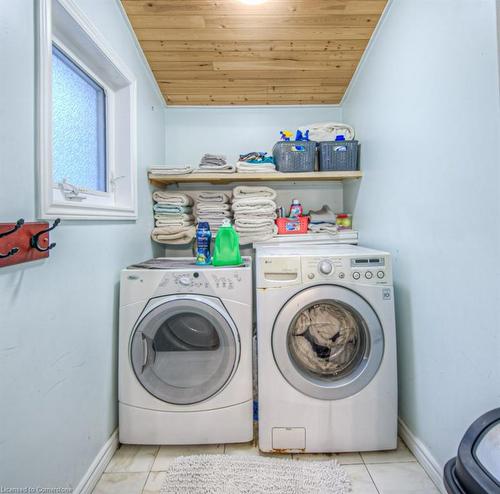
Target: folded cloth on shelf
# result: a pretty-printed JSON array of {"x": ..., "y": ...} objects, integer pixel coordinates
[
  {"x": 166, "y": 170},
  {"x": 252, "y": 222},
  {"x": 210, "y": 207},
  {"x": 249, "y": 237},
  {"x": 174, "y": 216},
  {"x": 172, "y": 198},
  {"x": 173, "y": 234},
  {"x": 213, "y": 159},
  {"x": 323, "y": 228},
  {"x": 246, "y": 191},
  {"x": 214, "y": 214},
  {"x": 213, "y": 197},
  {"x": 254, "y": 205},
  {"x": 323, "y": 215},
  {"x": 170, "y": 208},
  {"x": 170, "y": 222},
  {"x": 244, "y": 167},
  {"x": 328, "y": 131},
  {"x": 216, "y": 169}
]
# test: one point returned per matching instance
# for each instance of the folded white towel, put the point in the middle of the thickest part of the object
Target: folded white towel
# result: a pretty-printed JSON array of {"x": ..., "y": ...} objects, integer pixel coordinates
[
  {"x": 253, "y": 222},
  {"x": 248, "y": 238},
  {"x": 243, "y": 167},
  {"x": 214, "y": 214},
  {"x": 323, "y": 228},
  {"x": 213, "y": 197},
  {"x": 174, "y": 198},
  {"x": 227, "y": 168},
  {"x": 254, "y": 206},
  {"x": 245, "y": 191},
  {"x": 210, "y": 207},
  {"x": 174, "y": 216},
  {"x": 174, "y": 222},
  {"x": 165, "y": 170},
  {"x": 173, "y": 235}
]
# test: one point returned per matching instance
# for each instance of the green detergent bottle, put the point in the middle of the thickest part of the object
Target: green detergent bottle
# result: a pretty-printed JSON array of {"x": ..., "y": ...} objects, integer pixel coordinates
[{"x": 227, "y": 246}]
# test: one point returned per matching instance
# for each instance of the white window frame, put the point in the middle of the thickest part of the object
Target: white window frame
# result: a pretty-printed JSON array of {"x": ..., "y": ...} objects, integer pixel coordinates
[{"x": 61, "y": 22}]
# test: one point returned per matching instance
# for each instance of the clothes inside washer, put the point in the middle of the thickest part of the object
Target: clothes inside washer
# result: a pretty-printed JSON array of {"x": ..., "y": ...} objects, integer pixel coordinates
[{"x": 325, "y": 339}]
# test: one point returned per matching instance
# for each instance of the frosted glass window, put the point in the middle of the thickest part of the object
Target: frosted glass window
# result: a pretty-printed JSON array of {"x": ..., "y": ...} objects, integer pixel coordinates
[{"x": 78, "y": 126}]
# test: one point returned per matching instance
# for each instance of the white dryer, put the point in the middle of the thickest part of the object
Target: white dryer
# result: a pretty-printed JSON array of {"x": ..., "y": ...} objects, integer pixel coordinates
[
  {"x": 326, "y": 349},
  {"x": 185, "y": 353}
]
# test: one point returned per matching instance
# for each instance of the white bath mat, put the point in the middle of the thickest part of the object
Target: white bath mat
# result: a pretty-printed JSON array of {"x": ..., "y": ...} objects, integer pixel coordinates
[{"x": 228, "y": 474}]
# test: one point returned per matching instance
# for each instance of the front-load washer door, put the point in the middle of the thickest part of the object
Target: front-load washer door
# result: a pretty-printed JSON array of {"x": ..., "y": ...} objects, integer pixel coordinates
[
  {"x": 185, "y": 349},
  {"x": 328, "y": 342}
]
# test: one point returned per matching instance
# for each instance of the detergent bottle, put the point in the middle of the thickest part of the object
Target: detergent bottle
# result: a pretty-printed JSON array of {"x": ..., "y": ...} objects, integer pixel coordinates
[
  {"x": 296, "y": 210},
  {"x": 227, "y": 246},
  {"x": 203, "y": 238}
]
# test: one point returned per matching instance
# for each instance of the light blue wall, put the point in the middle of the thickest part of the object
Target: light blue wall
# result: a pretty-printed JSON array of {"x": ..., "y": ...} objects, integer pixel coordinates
[
  {"x": 191, "y": 132},
  {"x": 426, "y": 109},
  {"x": 58, "y": 317}
]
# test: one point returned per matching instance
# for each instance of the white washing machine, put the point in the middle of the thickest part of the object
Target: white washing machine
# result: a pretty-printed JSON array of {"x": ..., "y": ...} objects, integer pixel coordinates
[
  {"x": 326, "y": 349},
  {"x": 185, "y": 353}
]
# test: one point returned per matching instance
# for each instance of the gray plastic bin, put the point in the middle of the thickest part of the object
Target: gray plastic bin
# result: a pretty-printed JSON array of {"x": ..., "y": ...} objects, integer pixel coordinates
[
  {"x": 295, "y": 156},
  {"x": 338, "y": 155}
]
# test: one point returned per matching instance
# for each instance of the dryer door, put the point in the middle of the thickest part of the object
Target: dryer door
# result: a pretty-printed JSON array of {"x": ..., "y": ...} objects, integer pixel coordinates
[
  {"x": 185, "y": 349},
  {"x": 328, "y": 342}
]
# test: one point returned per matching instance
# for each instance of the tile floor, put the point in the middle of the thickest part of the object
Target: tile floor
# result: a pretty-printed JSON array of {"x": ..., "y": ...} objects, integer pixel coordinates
[{"x": 141, "y": 469}]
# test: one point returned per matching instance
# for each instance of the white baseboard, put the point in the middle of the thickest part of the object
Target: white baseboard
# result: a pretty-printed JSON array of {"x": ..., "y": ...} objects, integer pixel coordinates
[
  {"x": 96, "y": 469},
  {"x": 423, "y": 455}
]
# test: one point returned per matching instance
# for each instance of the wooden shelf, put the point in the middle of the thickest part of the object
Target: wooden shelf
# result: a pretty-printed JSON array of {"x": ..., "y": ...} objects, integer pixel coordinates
[{"x": 226, "y": 178}]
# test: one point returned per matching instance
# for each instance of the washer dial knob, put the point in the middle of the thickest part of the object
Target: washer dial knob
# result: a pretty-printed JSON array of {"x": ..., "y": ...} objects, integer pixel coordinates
[
  {"x": 325, "y": 267},
  {"x": 184, "y": 281}
]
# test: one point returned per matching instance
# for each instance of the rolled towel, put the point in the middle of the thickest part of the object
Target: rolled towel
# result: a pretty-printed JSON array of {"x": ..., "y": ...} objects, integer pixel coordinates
[
  {"x": 168, "y": 208},
  {"x": 245, "y": 191},
  {"x": 173, "y": 235},
  {"x": 244, "y": 167},
  {"x": 172, "y": 198},
  {"x": 213, "y": 197},
  {"x": 323, "y": 215},
  {"x": 210, "y": 207},
  {"x": 165, "y": 170},
  {"x": 254, "y": 206}
]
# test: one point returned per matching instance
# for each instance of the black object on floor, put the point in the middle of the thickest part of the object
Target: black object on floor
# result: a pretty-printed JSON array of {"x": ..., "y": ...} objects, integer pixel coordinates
[{"x": 476, "y": 468}]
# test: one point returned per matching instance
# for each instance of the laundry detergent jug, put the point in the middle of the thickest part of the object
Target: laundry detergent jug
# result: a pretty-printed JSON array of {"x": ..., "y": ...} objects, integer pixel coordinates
[{"x": 227, "y": 246}]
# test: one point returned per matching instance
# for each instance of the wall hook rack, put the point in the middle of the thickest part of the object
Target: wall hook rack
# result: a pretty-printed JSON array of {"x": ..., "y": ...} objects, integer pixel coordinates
[
  {"x": 34, "y": 238},
  {"x": 25, "y": 241}
]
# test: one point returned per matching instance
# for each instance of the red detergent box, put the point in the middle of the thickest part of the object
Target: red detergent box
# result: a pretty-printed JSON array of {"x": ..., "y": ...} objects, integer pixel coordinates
[{"x": 288, "y": 226}]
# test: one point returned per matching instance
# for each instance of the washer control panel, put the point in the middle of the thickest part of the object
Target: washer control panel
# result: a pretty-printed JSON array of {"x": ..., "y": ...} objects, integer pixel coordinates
[{"x": 363, "y": 269}]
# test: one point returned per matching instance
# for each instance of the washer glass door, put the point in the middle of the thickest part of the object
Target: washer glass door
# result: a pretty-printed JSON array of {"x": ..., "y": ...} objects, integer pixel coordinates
[
  {"x": 185, "y": 350},
  {"x": 328, "y": 342}
]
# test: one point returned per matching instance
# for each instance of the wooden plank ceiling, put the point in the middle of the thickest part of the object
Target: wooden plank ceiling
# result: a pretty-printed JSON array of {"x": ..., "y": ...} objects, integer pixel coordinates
[{"x": 226, "y": 52}]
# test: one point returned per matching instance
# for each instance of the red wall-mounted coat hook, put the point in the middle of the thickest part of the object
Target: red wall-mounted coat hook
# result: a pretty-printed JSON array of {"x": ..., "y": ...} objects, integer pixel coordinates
[{"x": 24, "y": 242}]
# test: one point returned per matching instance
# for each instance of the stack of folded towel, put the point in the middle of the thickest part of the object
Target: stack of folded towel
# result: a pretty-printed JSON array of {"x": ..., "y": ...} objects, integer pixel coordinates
[
  {"x": 174, "y": 222},
  {"x": 214, "y": 208},
  {"x": 323, "y": 221},
  {"x": 167, "y": 170},
  {"x": 215, "y": 163},
  {"x": 255, "y": 162},
  {"x": 254, "y": 213}
]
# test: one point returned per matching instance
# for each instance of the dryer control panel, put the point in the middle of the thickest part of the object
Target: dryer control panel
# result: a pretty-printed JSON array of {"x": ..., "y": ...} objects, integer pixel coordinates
[{"x": 362, "y": 269}]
